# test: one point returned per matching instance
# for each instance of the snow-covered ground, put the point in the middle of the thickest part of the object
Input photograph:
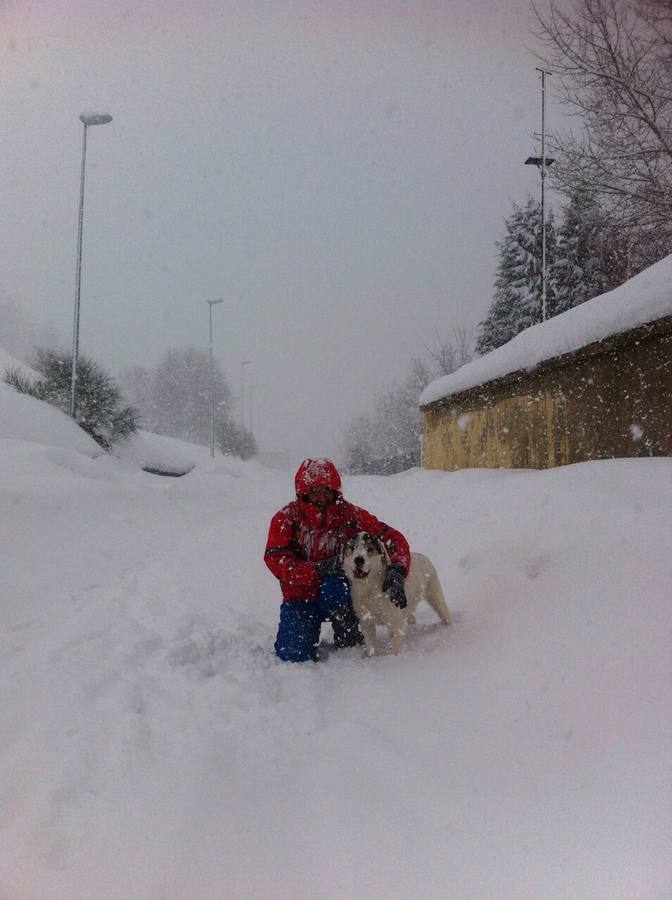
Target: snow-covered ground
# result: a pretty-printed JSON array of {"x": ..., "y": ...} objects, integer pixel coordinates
[{"x": 153, "y": 747}]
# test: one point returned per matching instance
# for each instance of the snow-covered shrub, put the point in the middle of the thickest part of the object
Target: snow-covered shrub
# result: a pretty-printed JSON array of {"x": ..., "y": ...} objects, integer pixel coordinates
[
  {"x": 98, "y": 405},
  {"x": 232, "y": 442}
]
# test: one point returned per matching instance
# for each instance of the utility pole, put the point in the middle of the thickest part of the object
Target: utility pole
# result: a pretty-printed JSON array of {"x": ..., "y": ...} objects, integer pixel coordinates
[
  {"x": 543, "y": 162},
  {"x": 212, "y": 303},
  {"x": 252, "y": 388},
  {"x": 244, "y": 363},
  {"x": 87, "y": 120}
]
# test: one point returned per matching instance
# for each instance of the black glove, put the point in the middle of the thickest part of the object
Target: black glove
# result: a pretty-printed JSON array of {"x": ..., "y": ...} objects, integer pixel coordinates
[
  {"x": 394, "y": 583},
  {"x": 329, "y": 566}
]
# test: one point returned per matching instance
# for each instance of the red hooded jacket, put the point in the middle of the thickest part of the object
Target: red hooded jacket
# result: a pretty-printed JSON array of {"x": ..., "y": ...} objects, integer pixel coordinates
[{"x": 302, "y": 533}]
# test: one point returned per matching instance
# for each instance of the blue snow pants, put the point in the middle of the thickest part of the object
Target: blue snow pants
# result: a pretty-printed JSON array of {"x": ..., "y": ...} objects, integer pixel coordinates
[{"x": 301, "y": 621}]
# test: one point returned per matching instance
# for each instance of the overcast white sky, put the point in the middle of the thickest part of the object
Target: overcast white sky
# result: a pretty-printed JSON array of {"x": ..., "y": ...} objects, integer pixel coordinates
[{"x": 338, "y": 172}]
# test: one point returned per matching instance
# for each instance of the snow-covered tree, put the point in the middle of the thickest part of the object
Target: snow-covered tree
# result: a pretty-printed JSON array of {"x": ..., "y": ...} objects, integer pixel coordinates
[
  {"x": 181, "y": 395},
  {"x": 516, "y": 303},
  {"x": 593, "y": 253},
  {"x": 137, "y": 386},
  {"x": 232, "y": 442},
  {"x": 446, "y": 355},
  {"x": 359, "y": 444},
  {"x": 388, "y": 439}
]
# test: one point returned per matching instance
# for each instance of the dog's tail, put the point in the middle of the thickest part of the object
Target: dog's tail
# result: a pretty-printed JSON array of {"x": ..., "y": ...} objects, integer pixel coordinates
[{"x": 435, "y": 598}]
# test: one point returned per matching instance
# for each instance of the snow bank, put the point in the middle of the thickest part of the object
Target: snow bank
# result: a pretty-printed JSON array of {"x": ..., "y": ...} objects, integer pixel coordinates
[
  {"x": 159, "y": 454},
  {"x": 642, "y": 299},
  {"x": 27, "y": 419}
]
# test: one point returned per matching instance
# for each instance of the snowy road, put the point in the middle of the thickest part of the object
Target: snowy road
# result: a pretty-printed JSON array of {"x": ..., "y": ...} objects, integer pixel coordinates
[{"x": 152, "y": 746}]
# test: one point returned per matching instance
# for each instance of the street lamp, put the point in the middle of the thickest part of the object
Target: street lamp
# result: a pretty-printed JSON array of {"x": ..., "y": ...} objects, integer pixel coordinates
[
  {"x": 252, "y": 387},
  {"x": 86, "y": 119},
  {"x": 212, "y": 303},
  {"x": 244, "y": 363},
  {"x": 542, "y": 162}
]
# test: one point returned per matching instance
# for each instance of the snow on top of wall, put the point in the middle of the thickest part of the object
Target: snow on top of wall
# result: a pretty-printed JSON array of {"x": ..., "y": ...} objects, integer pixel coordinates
[{"x": 642, "y": 299}]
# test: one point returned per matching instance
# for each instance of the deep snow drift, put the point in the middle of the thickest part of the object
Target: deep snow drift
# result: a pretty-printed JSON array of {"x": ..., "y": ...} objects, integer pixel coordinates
[{"x": 153, "y": 747}]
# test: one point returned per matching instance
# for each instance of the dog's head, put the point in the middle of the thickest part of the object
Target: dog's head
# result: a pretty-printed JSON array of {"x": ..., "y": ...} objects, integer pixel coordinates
[{"x": 364, "y": 555}]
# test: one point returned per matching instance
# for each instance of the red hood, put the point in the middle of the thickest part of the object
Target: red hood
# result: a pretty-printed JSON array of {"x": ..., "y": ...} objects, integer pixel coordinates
[{"x": 316, "y": 473}]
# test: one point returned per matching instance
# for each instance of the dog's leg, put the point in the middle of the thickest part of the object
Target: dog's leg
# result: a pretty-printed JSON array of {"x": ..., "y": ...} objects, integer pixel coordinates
[
  {"x": 435, "y": 598},
  {"x": 395, "y": 635},
  {"x": 368, "y": 628}
]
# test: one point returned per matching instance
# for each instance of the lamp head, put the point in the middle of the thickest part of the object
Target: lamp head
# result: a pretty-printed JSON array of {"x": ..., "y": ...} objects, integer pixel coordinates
[
  {"x": 93, "y": 118},
  {"x": 539, "y": 161}
]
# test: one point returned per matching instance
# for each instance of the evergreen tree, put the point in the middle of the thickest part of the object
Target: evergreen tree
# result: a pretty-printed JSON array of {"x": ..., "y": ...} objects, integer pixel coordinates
[
  {"x": 517, "y": 300},
  {"x": 595, "y": 253},
  {"x": 578, "y": 270}
]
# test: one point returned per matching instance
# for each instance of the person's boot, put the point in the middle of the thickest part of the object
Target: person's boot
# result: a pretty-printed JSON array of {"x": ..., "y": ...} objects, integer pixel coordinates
[{"x": 346, "y": 627}]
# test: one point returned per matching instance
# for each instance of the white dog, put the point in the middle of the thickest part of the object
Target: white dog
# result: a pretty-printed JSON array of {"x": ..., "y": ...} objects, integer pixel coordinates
[{"x": 365, "y": 562}]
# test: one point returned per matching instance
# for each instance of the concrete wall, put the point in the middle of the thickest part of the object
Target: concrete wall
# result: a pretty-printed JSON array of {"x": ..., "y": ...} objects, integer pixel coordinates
[{"x": 609, "y": 399}]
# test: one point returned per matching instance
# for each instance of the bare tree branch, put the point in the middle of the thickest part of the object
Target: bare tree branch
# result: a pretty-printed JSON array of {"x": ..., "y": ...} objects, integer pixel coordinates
[{"x": 612, "y": 62}]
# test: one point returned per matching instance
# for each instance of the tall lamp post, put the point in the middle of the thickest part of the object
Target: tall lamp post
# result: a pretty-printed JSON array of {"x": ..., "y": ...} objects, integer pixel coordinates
[
  {"x": 212, "y": 303},
  {"x": 252, "y": 387},
  {"x": 244, "y": 363},
  {"x": 87, "y": 119},
  {"x": 542, "y": 162}
]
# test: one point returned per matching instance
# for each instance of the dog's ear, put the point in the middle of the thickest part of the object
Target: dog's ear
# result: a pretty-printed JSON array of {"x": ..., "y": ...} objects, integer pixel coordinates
[{"x": 381, "y": 548}]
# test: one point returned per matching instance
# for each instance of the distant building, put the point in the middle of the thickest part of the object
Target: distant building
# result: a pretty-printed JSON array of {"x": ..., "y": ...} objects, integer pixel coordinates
[{"x": 592, "y": 383}]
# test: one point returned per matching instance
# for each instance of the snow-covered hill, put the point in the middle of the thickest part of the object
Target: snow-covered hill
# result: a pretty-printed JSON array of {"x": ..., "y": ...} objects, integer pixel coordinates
[{"x": 153, "y": 747}]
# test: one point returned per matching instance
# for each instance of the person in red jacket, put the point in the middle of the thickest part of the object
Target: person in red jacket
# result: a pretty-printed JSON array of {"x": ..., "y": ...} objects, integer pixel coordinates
[{"x": 303, "y": 551}]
